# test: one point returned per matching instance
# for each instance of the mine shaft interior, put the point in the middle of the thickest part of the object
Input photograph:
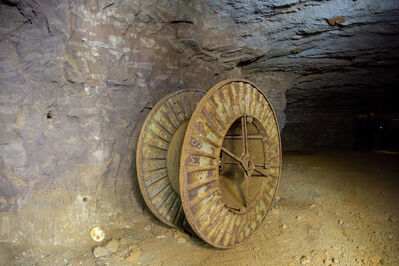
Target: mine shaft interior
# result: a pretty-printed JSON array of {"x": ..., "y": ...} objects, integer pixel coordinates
[{"x": 199, "y": 132}]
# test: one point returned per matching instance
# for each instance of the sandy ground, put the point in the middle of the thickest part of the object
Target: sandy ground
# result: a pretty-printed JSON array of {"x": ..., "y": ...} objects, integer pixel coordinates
[{"x": 332, "y": 208}]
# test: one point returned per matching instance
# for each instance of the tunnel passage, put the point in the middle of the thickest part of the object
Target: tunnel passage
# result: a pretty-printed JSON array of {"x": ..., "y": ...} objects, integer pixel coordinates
[{"x": 78, "y": 78}]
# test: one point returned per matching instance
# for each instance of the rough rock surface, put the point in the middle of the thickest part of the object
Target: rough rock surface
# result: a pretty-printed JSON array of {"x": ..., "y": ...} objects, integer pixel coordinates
[
  {"x": 78, "y": 77},
  {"x": 99, "y": 252},
  {"x": 321, "y": 61},
  {"x": 112, "y": 246}
]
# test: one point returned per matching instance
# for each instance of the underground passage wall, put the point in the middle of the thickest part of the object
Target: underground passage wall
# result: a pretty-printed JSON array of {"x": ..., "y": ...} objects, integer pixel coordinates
[{"x": 79, "y": 77}]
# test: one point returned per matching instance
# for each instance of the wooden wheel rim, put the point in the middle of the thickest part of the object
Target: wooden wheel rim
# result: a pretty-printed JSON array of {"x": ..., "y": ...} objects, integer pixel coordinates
[
  {"x": 167, "y": 117},
  {"x": 200, "y": 193}
]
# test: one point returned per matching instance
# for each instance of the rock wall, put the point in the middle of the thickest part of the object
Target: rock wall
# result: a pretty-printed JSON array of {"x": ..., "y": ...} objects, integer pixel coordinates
[
  {"x": 322, "y": 62},
  {"x": 78, "y": 77}
]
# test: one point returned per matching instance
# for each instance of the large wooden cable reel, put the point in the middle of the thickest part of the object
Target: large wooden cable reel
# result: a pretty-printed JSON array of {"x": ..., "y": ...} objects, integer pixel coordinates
[
  {"x": 230, "y": 163},
  {"x": 158, "y": 154}
]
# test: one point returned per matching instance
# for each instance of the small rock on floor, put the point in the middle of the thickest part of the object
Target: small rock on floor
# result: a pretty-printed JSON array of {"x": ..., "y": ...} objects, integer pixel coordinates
[
  {"x": 117, "y": 257},
  {"x": 134, "y": 256},
  {"x": 393, "y": 219},
  {"x": 274, "y": 211},
  {"x": 147, "y": 227},
  {"x": 132, "y": 246},
  {"x": 180, "y": 237},
  {"x": 112, "y": 246},
  {"x": 304, "y": 260},
  {"x": 181, "y": 240},
  {"x": 376, "y": 259},
  {"x": 100, "y": 252}
]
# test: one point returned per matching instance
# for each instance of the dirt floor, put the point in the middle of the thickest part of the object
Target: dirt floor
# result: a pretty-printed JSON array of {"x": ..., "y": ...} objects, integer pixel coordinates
[{"x": 332, "y": 208}]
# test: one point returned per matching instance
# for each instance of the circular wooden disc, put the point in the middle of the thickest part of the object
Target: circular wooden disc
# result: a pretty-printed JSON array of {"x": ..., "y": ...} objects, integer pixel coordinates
[
  {"x": 158, "y": 154},
  {"x": 210, "y": 202}
]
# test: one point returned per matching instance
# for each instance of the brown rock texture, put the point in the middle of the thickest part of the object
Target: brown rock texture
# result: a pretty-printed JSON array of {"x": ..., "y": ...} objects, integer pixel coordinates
[{"x": 77, "y": 78}]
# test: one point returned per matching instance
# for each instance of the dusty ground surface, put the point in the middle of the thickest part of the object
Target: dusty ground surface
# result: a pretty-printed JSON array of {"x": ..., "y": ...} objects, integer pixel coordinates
[{"x": 336, "y": 207}]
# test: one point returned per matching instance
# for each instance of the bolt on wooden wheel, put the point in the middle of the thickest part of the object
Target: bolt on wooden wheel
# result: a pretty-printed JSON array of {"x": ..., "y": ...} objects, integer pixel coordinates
[
  {"x": 158, "y": 154},
  {"x": 230, "y": 163}
]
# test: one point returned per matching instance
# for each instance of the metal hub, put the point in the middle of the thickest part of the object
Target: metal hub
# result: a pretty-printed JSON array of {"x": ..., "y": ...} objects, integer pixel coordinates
[{"x": 238, "y": 174}]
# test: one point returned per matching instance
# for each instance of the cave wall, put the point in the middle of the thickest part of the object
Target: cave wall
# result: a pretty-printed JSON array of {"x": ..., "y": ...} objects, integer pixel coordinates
[
  {"x": 321, "y": 62},
  {"x": 78, "y": 78}
]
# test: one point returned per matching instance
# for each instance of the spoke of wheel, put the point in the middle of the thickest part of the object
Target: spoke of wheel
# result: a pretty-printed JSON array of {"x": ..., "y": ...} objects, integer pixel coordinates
[
  {"x": 259, "y": 172},
  {"x": 232, "y": 163},
  {"x": 244, "y": 134},
  {"x": 245, "y": 192},
  {"x": 256, "y": 165},
  {"x": 247, "y": 196},
  {"x": 229, "y": 153}
]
